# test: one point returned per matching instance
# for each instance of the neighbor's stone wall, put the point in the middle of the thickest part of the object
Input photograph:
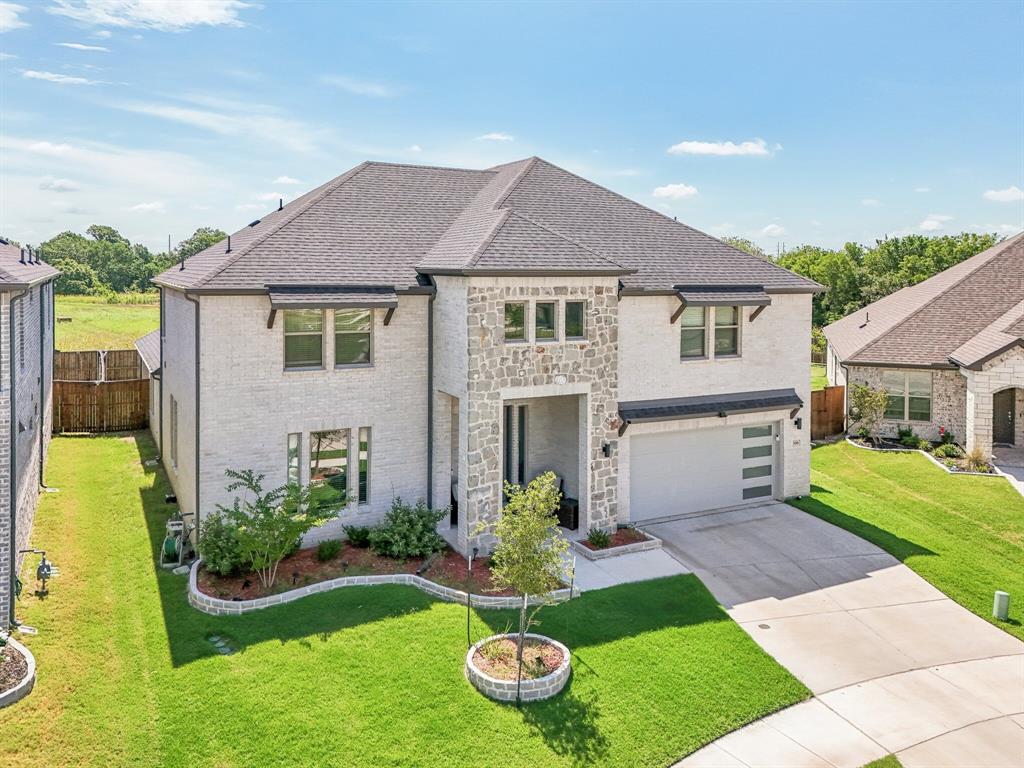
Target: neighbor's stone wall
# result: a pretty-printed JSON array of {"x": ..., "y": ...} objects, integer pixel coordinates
[
  {"x": 588, "y": 367},
  {"x": 1005, "y": 370},
  {"x": 949, "y": 403}
]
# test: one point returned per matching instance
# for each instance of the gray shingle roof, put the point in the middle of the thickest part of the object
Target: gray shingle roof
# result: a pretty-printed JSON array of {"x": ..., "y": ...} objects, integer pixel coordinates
[
  {"x": 298, "y": 297},
  {"x": 149, "y": 350},
  {"x": 712, "y": 295},
  {"x": 14, "y": 274},
  {"x": 700, "y": 406},
  {"x": 385, "y": 224},
  {"x": 938, "y": 319}
]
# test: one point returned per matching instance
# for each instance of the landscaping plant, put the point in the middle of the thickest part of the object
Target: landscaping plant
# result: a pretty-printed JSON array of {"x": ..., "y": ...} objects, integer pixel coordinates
[
  {"x": 867, "y": 407},
  {"x": 408, "y": 531},
  {"x": 219, "y": 547},
  {"x": 529, "y": 558},
  {"x": 358, "y": 535},
  {"x": 599, "y": 538},
  {"x": 948, "y": 451},
  {"x": 328, "y": 550},
  {"x": 977, "y": 461},
  {"x": 269, "y": 523}
]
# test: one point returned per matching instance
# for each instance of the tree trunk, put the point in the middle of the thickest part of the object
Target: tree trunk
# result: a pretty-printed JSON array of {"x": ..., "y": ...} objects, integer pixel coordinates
[{"x": 522, "y": 630}]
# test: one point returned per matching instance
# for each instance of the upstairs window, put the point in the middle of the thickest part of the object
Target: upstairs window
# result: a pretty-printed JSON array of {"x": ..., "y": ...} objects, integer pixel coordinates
[
  {"x": 575, "y": 327},
  {"x": 727, "y": 331},
  {"x": 353, "y": 333},
  {"x": 910, "y": 395},
  {"x": 515, "y": 321},
  {"x": 303, "y": 338},
  {"x": 693, "y": 339},
  {"x": 545, "y": 320}
]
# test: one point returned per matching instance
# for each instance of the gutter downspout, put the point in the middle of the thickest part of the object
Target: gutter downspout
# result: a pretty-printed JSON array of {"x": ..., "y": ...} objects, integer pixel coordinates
[
  {"x": 430, "y": 397},
  {"x": 160, "y": 446},
  {"x": 42, "y": 377},
  {"x": 13, "y": 483},
  {"x": 195, "y": 301}
]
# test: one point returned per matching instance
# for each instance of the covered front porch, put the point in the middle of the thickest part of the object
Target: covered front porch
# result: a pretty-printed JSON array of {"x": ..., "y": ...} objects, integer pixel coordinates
[{"x": 995, "y": 406}]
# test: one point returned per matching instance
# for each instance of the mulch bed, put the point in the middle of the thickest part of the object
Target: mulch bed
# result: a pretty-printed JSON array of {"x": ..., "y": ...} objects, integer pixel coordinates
[
  {"x": 302, "y": 567},
  {"x": 13, "y": 667},
  {"x": 954, "y": 465},
  {"x": 499, "y": 660},
  {"x": 620, "y": 538}
]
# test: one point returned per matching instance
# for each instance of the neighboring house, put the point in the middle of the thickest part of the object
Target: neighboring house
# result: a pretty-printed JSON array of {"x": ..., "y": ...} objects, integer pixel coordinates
[
  {"x": 431, "y": 332},
  {"x": 149, "y": 351},
  {"x": 949, "y": 351},
  {"x": 26, "y": 376}
]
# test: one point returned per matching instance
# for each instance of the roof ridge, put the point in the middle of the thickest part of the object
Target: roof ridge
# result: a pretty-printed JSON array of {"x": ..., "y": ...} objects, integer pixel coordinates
[
  {"x": 503, "y": 215},
  {"x": 432, "y": 167},
  {"x": 516, "y": 180},
  {"x": 992, "y": 253},
  {"x": 568, "y": 239},
  {"x": 329, "y": 187}
]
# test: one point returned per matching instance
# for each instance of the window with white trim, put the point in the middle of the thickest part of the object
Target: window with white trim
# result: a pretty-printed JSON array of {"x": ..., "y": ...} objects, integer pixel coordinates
[
  {"x": 515, "y": 321},
  {"x": 910, "y": 395},
  {"x": 693, "y": 336},
  {"x": 575, "y": 319},
  {"x": 545, "y": 328},
  {"x": 353, "y": 336},
  {"x": 727, "y": 331}
]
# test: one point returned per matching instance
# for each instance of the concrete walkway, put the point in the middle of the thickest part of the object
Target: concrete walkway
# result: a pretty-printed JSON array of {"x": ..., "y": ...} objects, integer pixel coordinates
[
  {"x": 895, "y": 665},
  {"x": 1009, "y": 462},
  {"x": 622, "y": 569}
]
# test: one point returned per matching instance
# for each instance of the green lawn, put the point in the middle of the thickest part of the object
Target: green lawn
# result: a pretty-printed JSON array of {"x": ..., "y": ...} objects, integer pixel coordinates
[
  {"x": 366, "y": 676},
  {"x": 965, "y": 535},
  {"x": 97, "y": 324},
  {"x": 818, "y": 378},
  {"x": 889, "y": 761}
]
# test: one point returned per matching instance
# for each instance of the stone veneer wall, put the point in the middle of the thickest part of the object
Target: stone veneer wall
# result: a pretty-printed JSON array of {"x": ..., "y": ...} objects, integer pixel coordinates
[
  {"x": 496, "y": 365},
  {"x": 1002, "y": 371},
  {"x": 949, "y": 402}
]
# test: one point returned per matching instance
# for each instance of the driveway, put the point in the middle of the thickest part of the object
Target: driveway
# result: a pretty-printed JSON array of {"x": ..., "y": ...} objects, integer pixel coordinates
[{"x": 894, "y": 664}]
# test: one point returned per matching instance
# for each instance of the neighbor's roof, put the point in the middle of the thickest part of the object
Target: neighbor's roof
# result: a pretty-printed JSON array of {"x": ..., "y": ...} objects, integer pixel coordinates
[
  {"x": 14, "y": 274},
  {"x": 966, "y": 313},
  {"x": 149, "y": 350},
  {"x": 387, "y": 224}
]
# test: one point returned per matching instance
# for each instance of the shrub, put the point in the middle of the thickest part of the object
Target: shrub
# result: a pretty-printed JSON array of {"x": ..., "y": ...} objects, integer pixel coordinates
[
  {"x": 408, "y": 531},
  {"x": 948, "y": 451},
  {"x": 218, "y": 546},
  {"x": 977, "y": 461},
  {"x": 945, "y": 436},
  {"x": 867, "y": 407},
  {"x": 863, "y": 433},
  {"x": 599, "y": 538},
  {"x": 923, "y": 444},
  {"x": 358, "y": 535},
  {"x": 903, "y": 433},
  {"x": 328, "y": 550}
]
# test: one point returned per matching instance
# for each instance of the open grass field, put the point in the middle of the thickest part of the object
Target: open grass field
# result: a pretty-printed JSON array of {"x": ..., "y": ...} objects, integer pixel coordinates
[
  {"x": 965, "y": 535},
  {"x": 97, "y": 324},
  {"x": 364, "y": 676}
]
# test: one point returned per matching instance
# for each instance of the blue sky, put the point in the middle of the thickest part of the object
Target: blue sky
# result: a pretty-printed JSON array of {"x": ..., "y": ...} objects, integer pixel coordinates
[{"x": 784, "y": 123}]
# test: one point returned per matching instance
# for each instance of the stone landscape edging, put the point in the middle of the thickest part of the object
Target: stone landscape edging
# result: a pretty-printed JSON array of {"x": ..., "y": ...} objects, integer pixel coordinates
[
  {"x": 932, "y": 459},
  {"x": 216, "y": 606},
  {"x": 529, "y": 690},
  {"x": 24, "y": 688},
  {"x": 651, "y": 542}
]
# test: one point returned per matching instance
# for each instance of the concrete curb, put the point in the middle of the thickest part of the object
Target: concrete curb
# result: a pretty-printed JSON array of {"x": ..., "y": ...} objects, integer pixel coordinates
[
  {"x": 24, "y": 688},
  {"x": 652, "y": 542},
  {"x": 218, "y": 607},
  {"x": 529, "y": 690}
]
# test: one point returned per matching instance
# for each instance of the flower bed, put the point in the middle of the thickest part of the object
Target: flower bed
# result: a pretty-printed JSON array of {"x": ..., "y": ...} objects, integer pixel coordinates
[
  {"x": 17, "y": 672},
  {"x": 622, "y": 542},
  {"x": 493, "y": 671},
  {"x": 303, "y": 568},
  {"x": 953, "y": 465}
]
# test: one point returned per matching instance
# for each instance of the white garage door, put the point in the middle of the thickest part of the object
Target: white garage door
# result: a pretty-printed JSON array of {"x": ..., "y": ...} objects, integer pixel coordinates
[{"x": 672, "y": 473}]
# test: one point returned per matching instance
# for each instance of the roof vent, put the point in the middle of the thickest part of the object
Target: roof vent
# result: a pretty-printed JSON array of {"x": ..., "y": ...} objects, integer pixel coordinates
[
  {"x": 254, "y": 223},
  {"x": 229, "y": 245},
  {"x": 280, "y": 203},
  {"x": 867, "y": 319},
  {"x": 22, "y": 259},
  {"x": 4, "y": 241}
]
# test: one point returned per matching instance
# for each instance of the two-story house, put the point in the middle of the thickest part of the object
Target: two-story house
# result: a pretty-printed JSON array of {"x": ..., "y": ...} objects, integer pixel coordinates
[
  {"x": 26, "y": 376},
  {"x": 432, "y": 332}
]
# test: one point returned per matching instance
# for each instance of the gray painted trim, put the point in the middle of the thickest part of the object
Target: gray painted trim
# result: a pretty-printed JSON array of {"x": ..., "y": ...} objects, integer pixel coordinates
[
  {"x": 42, "y": 382},
  {"x": 526, "y": 272},
  {"x": 30, "y": 284},
  {"x": 702, "y": 406},
  {"x": 160, "y": 446},
  {"x": 978, "y": 364},
  {"x": 198, "y": 349},
  {"x": 430, "y": 399},
  {"x": 767, "y": 289},
  {"x": 916, "y": 366},
  {"x": 413, "y": 290}
]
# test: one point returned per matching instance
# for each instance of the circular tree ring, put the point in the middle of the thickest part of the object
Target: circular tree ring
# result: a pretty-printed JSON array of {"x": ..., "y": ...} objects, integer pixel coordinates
[{"x": 529, "y": 690}]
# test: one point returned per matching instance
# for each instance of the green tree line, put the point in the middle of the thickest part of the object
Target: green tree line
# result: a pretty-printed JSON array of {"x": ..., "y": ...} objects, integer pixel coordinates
[{"x": 104, "y": 261}]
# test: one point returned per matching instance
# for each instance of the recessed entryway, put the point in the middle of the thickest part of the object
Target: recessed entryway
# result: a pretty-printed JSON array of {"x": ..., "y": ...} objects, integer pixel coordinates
[{"x": 1004, "y": 412}]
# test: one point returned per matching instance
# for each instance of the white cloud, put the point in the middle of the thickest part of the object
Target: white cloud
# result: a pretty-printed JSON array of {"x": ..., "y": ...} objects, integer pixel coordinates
[
  {"x": 6, "y": 56},
  {"x": 922, "y": 189},
  {"x": 235, "y": 120},
  {"x": 722, "y": 148},
  {"x": 1011, "y": 194},
  {"x": 287, "y": 180},
  {"x": 870, "y": 202},
  {"x": 496, "y": 136},
  {"x": 55, "y": 77},
  {"x": 103, "y": 34},
  {"x": 675, "y": 191},
  {"x": 9, "y": 17},
  {"x": 415, "y": 148},
  {"x": 163, "y": 15},
  {"x": 773, "y": 230},
  {"x": 1008, "y": 229},
  {"x": 51, "y": 184},
  {"x": 933, "y": 222},
  {"x": 359, "y": 87},
  {"x": 250, "y": 207},
  {"x": 156, "y": 206},
  {"x": 626, "y": 172},
  {"x": 82, "y": 47},
  {"x": 268, "y": 196}
]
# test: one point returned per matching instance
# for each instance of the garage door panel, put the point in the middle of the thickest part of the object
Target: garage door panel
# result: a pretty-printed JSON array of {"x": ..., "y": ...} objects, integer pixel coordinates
[{"x": 673, "y": 473}]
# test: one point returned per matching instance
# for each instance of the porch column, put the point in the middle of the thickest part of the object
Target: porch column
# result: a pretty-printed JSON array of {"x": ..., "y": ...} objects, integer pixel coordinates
[{"x": 979, "y": 416}]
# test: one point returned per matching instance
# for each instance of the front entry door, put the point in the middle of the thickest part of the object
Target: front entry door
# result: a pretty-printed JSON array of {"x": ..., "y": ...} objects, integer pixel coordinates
[{"x": 1003, "y": 417}]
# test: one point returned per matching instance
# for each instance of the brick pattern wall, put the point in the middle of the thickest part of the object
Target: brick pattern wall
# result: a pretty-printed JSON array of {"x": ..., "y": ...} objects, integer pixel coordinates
[
  {"x": 1005, "y": 370},
  {"x": 21, "y": 346},
  {"x": 949, "y": 403},
  {"x": 496, "y": 365}
]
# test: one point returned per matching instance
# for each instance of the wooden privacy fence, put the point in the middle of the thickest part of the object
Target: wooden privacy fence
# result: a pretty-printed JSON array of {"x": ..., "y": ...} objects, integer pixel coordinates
[
  {"x": 827, "y": 412},
  {"x": 100, "y": 391}
]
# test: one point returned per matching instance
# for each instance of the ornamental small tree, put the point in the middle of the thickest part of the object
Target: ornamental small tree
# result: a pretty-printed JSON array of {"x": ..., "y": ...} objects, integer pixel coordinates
[
  {"x": 530, "y": 556},
  {"x": 269, "y": 523},
  {"x": 867, "y": 408}
]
